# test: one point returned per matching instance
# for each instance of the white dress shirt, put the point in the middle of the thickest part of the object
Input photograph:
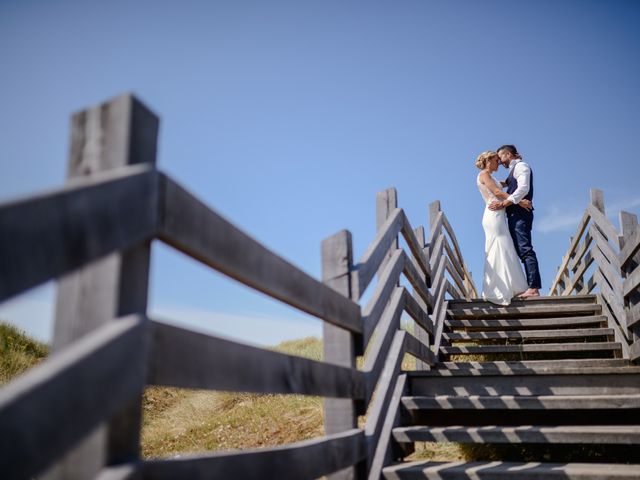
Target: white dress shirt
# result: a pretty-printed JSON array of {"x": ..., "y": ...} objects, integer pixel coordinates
[{"x": 522, "y": 174}]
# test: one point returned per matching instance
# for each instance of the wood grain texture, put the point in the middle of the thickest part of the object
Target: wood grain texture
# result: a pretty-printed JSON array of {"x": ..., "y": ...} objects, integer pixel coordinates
[
  {"x": 118, "y": 133},
  {"x": 418, "y": 313},
  {"x": 416, "y": 247},
  {"x": 381, "y": 446},
  {"x": 387, "y": 283},
  {"x": 419, "y": 350},
  {"x": 81, "y": 222},
  {"x": 186, "y": 359},
  {"x": 631, "y": 247},
  {"x": 304, "y": 460},
  {"x": 385, "y": 387},
  {"x": 193, "y": 228},
  {"x": 605, "y": 247},
  {"x": 82, "y": 385},
  {"x": 386, "y": 203},
  {"x": 340, "y": 346},
  {"x": 375, "y": 254},
  {"x": 379, "y": 349},
  {"x": 620, "y": 332},
  {"x": 578, "y": 434},
  {"x": 609, "y": 272},
  {"x": 484, "y": 470},
  {"x": 418, "y": 282},
  {"x": 596, "y": 198},
  {"x": 582, "y": 225},
  {"x": 603, "y": 224},
  {"x": 580, "y": 252},
  {"x": 631, "y": 283}
]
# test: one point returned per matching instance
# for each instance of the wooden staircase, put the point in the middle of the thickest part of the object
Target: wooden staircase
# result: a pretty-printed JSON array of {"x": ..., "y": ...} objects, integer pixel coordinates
[{"x": 549, "y": 373}]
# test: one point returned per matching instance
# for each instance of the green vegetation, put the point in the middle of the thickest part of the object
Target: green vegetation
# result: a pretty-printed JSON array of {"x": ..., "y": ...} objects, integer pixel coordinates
[
  {"x": 18, "y": 352},
  {"x": 180, "y": 420}
]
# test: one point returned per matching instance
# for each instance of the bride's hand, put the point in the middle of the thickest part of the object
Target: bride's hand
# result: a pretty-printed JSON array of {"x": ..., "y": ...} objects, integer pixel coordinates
[{"x": 526, "y": 204}]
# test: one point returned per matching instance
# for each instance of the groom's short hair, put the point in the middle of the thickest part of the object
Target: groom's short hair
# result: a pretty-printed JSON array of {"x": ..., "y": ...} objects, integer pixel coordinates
[{"x": 509, "y": 148}]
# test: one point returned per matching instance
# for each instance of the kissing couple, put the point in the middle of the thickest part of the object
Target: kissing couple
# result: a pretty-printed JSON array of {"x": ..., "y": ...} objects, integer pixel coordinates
[{"x": 507, "y": 223}]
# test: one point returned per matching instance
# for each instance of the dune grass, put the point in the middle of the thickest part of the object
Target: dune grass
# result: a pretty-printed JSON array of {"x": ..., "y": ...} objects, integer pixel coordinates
[
  {"x": 18, "y": 352},
  {"x": 177, "y": 421}
]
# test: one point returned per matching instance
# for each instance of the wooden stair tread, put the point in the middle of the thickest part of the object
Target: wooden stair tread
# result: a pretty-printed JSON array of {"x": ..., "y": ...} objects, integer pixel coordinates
[
  {"x": 531, "y": 348},
  {"x": 543, "y": 299},
  {"x": 575, "y": 434},
  {"x": 609, "y": 366},
  {"x": 462, "y": 313},
  {"x": 521, "y": 402},
  {"x": 509, "y": 470},
  {"x": 518, "y": 323},
  {"x": 529, "y": 334}
]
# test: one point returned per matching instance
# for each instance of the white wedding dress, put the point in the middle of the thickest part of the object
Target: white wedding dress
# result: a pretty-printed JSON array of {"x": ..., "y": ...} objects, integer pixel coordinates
[{"x": 503, "y": 275}]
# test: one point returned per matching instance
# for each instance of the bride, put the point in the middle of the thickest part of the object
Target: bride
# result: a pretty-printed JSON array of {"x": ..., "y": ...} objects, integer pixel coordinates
[{"x": 503, "y": 276}]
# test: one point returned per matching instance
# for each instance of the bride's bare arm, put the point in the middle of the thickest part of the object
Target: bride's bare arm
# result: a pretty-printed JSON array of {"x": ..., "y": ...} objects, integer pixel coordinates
[{"x": 489, "y": 182}]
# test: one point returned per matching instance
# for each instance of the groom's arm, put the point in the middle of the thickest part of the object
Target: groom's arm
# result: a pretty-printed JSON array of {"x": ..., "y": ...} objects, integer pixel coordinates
[{"x": 522, "y": 174}]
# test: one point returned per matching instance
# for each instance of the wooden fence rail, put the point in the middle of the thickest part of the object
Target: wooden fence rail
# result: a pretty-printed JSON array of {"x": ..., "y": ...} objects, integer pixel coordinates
[
  {"x": 604, "y": 260},
  {"x": 77, "y": 415}
]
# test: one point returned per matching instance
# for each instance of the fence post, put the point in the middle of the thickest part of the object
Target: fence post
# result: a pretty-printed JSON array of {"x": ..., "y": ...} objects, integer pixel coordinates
[
  {"x": 597, "y": 198},
  {"x": 386, "y": 202},
  {"x": 117, "y": 133},
  {"x": 628, "y": 226},
  {"x": 420, "y": 333},
  {"x": 339, "y": 344}
]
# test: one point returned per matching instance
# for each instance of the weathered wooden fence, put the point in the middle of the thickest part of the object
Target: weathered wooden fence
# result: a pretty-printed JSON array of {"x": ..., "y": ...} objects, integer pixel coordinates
[
  {"x": 77, "y": 415},
  {"x": 604, "y": 260}
]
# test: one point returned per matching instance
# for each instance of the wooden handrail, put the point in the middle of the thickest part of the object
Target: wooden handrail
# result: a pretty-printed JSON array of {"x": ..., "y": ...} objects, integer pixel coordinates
[
  {"x": 187, "y": 359},
  {"x": 193, "y": 228},
  {"x": 81, "y": 222},
  {"x": 118, "y": 213},
  {"x": 616, "y": 274},
  {"x": 51, "y": 407},
  {"x": 307, "y": 459}
]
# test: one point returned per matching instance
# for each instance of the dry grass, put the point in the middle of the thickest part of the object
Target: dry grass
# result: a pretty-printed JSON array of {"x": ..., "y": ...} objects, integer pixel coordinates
[
  {"x": 438, "y": 452},
  {"x": 177, "y": 421},
  {"x": 18, "y": 352}
]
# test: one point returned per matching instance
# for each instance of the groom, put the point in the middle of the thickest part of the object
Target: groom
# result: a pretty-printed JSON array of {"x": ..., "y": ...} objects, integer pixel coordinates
[{"x": 519, "y": 185}]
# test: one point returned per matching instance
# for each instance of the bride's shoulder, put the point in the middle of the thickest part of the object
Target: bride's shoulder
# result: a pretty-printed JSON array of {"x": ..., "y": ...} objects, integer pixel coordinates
[{"x": 483, "y": 176}]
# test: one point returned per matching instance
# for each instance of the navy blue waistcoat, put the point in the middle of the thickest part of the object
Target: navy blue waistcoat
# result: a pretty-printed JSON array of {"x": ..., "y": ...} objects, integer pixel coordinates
[{"x": 512, "y": 184}]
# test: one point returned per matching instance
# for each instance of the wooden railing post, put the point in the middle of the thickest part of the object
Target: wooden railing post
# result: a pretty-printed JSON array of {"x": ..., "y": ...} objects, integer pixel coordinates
[
  {"x": 114, "y": 134},
  {"x": 628, "y": 226},
  {"x": 420, "y": 333},
  {"x": 386, "y": 202},
  {"x": 339, "y": 344},
  {"x": 597, "y": 199}
]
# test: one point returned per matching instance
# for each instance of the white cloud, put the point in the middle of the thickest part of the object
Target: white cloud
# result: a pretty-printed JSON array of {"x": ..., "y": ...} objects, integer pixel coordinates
[
  {"x": 557, "y": 220},
  {"x": 35, "y": 317},
  {"x": 562, "y": 219},
  {"x": 248, "y": 328}
]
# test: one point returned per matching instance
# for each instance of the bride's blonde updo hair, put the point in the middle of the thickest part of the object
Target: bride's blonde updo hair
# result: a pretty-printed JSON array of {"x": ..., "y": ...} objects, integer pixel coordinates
[{"x": 484, "y": 157}]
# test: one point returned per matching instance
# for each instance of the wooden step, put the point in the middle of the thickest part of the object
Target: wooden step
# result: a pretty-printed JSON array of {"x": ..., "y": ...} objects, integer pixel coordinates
[
  {"x": 522, "y": 402},
  {"x": 421, "y": 470},
  {"x": 526, "y": 324},
  {"x": 533, "y": 348},
  {"x": 574, "y": 434},
  {"x": 534, "y": 380},
  {"x": 542, "y": 300},
  {"x": 536, "y": 311},
  {"x": 610, "y": 366},
  {"x": 528, "y": 334}
]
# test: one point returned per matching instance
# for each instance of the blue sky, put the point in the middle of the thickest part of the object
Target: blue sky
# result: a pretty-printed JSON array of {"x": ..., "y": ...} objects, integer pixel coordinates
[{"x": 287, "y": 117}]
